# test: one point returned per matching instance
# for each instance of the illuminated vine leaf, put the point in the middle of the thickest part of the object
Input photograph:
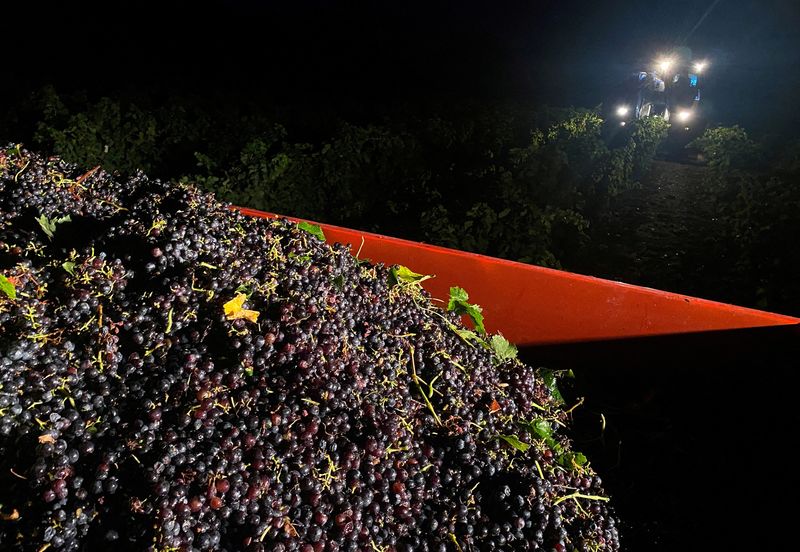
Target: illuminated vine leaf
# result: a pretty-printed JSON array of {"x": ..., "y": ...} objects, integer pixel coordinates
[
  {"x": 503, "y": 349},
  {"x": 539, "y": 427},
  {"x": 234, "y": 309},
  {"x": 551, "y": 382},
  {"x": 403, "y": 275},
  {"x": 7, "y": 287},
  {"x": 457, "y": 295},
  {"x": 459, "y": 303},
  {"x": 466, "y": 335},
  {"x": 514, "y": 441},
  {"x": 313, "y": 229},
  {"x": 571, "y": 459},
  {"x": 49, "y": 225}
]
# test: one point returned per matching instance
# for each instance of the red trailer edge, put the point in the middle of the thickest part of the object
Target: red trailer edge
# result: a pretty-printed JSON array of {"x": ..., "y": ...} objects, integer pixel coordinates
[{"x": 532, "y": 305}]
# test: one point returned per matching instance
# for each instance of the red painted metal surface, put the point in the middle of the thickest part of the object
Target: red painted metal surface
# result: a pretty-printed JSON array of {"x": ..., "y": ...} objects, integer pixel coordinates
[{"x": 532, "y": 305}]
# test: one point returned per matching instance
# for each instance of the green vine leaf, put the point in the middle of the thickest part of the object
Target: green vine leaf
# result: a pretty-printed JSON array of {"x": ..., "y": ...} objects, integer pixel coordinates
[
  {"x": 466, "y": 335},
  {"x": 313, "y": 229},
  {"x": 503, "y": 349},
  {"x": 7, "y": 287},
  {"x": 403, "y": 275},
  {"x": 540, "y": 428},
  {"x": 457, "y": 296},
  {"x": 303, "y": 259},
  {"x": 551, "y": 382},
  {"x": 459, "y": 303},
  {"x": 514, "y": 441},
  {"x": 69, "y": 267},
  {"x": 572, "y": 459},
  {"x": 244, "y": 290},
  {"x": 49, "y": 225}
]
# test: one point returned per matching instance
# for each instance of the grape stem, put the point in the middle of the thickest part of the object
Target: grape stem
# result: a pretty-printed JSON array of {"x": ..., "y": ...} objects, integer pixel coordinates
[
  {"x": 419, "y": 387},
  {"x": 580, "y": 495}
]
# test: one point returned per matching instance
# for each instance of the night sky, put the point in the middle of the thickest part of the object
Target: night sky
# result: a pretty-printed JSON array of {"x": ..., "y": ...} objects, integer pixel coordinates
[{"x": 563, "y": 52}]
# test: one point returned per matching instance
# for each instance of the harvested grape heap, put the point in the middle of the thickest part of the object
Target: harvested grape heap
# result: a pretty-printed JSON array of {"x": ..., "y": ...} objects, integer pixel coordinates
[{"x": 176, "y": 376}]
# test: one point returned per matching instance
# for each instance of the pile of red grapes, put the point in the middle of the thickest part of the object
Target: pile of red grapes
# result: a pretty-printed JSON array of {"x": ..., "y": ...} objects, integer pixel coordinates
[{"x": 175, "y": 376}]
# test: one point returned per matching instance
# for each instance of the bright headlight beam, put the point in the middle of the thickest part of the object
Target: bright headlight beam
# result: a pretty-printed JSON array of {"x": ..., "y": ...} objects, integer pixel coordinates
[
  {"x": 700, "y": 66},
  {"x": 684, "y": 116},
  {"x": 622, "y": 110},
  {"x": 664, "y": 65}
]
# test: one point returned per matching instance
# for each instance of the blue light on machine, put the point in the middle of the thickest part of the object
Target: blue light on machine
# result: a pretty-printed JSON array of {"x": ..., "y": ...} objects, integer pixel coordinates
[{"x": 692, "y": 79}]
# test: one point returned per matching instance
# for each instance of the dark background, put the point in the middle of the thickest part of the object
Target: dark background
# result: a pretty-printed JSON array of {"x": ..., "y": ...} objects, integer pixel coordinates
[{"x": 357, "y": 58}]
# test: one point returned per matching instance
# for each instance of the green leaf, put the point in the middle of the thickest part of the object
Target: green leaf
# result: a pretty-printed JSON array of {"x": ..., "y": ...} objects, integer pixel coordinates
[
  {"x": 69, "y": 267},
  {"x": 475, "y": 312},
  {"x": 244, "y": 290},
  {"x": 49, "y": 225},
  {"x": 313, "y": 229},
  {"x": 514, "y": 441},
  {"x": 503, "y": 349},
  {"x": 402, "y": 274},
  {"x": 338, "y": 282},
  {"x": 551, "y": 381},
  {"x": 8, "y": 288},
  {"x": 540, "y": 428},
  {"x": 459, "y": 304},
  {"x": 304, "y": 259},
  {"x": 466, "y": 335},
  {"x": 572, "y": 459},
  {"x": 249, "y": 371},
  {"x": 457, "y": 296}
]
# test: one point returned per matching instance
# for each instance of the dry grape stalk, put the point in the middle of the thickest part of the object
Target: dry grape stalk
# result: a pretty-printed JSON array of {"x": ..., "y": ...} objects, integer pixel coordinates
[{"x": 175, "y": 376}]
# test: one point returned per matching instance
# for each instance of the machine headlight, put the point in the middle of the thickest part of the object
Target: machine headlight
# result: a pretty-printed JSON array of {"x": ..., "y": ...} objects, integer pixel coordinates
[
  {"x": 664, "y": 65},
  {"x": 684, "y": 116},
  {"x": 622, "y": 110}
]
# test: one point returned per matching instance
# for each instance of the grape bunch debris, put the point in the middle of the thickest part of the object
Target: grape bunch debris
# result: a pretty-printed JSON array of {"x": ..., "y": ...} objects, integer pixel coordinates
[{"x": 175, "y": 376}]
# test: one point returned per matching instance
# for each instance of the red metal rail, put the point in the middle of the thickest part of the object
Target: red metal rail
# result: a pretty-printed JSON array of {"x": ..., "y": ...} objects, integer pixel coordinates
[{"x": 532, "y": 305}]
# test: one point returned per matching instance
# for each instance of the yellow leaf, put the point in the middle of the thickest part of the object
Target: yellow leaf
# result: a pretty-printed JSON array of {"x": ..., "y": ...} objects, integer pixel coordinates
[
  {"x": 234, "y": 305},
  {"x": 13, "y": 516},
  {"x": 233, "y": 309},
  {"x": 46, "y": 438}
]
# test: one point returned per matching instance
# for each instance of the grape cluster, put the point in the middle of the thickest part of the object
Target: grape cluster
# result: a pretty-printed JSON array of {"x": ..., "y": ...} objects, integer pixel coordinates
[{"x": 175, "y": 376}]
